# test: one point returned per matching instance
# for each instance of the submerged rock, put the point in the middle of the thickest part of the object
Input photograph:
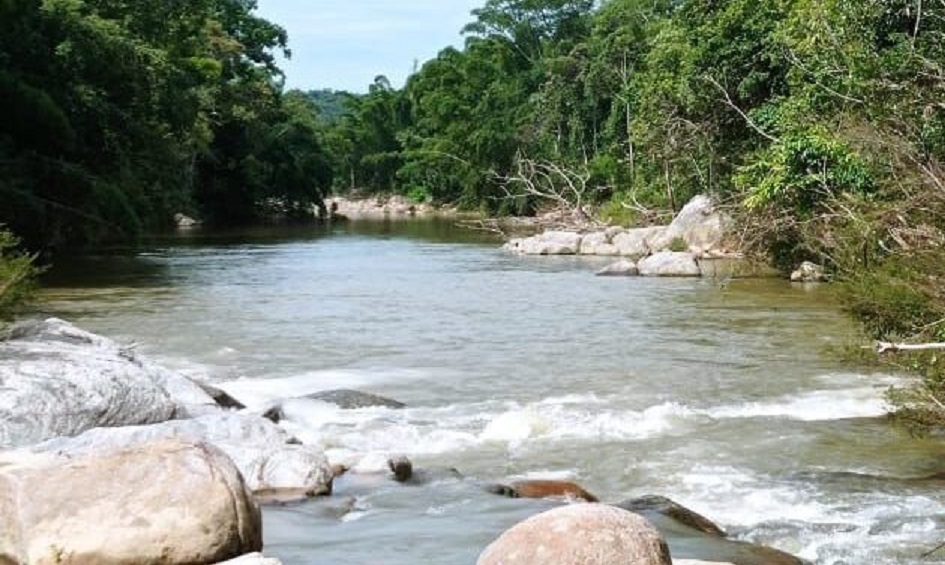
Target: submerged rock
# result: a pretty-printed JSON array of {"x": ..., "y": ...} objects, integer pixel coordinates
[
  {"x": 168, "y": 502},
  {"x": 653, "y": 504},
  {"x": 542, "y": 489},
  {"x": 693, "y": 536},
  {"x": 579, "y": 534},
  {"x": 352, "y": 399},
  {"x": 262, "y": 451},
  {"x": 252, "y": 559},
  {"x": 670, "y": 264},
  {"x": 401, "y": 467},
  {"x": 57, "y": 380},
  {"x": 619, "y": 269}
]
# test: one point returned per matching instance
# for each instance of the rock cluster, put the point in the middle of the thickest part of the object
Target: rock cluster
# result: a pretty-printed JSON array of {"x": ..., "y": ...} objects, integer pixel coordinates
[
  {"x": 698, "y": 231},
  {"x": 377, "y": 207}
]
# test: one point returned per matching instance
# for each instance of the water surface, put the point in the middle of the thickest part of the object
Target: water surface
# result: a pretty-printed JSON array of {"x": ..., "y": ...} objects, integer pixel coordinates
[{"x": 719, "y": 396}]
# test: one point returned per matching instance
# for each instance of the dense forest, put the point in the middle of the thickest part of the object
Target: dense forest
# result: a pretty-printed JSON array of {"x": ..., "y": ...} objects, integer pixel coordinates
[{"x": 820, "y": 123}]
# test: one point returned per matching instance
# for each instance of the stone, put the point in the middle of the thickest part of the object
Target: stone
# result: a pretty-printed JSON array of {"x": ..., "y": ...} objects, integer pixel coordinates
[
  {"x": 550, "y": 243},
  {"x": 670, "y": 264},
  {"x": 352, "y": 399},
  {"x": 168, "y": 502},
  {"x": 636, "y": 242},
  {"x": 698, "y": 224},
  {"x": 262, "y": 451},
  {"x": 693, "y": 536},
  {"x": 619, "y": 269},
  {"x": 809, "y": 272},
  {"x": 401, "y": 467},
  {"x": 56, "y": 379},
  {"x": 592, "y": 241},
  {"x": 221, "y": 397},
  {"x": 579, "y": 534},
  {"x": 699, "y": 562},
  {"x": 185, "y": 221},
  {"x": 653, "y": 504},
  {"x": 538, "y": 488},
  {"x": 252, "y": 559}
]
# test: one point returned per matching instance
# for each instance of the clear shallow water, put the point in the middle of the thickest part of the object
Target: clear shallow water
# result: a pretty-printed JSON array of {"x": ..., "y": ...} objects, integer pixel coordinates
[{"x": 523, "y": 367}]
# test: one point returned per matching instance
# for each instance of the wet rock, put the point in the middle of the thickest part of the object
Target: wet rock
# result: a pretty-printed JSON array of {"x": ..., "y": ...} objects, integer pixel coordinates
[
  {"x": 222, "y": 398},
  {"x": 252, "y": 559},
  {"x": 401, "y": 467},
  {"x": 260, "y": 449},
  {"x": 579, "y": 534},
  {"x": 274, "y": 414},
  {"x": 168, "y": 502},
  {"x": 670, "y": 264},
  {"x": 653, "y": 504},
  {"x": 619, "y": 269},
  {"x": 542, "y": 489},
  {"x": 809, "y": 272},
  {"x": 56, "y": 380},
  {"x": 352, "y": 399},
  {"x": 693, "y": 536}
]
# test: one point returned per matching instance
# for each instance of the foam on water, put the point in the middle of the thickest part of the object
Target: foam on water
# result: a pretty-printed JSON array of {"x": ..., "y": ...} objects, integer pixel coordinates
[{"x": 819, "y": 405}]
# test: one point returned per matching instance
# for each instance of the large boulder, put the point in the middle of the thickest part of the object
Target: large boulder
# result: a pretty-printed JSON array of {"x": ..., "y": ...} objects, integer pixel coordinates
[
  {"x": 598, "y": 243},
  {"x": 264, "y": 453},
  {"x": 670, "y": 264},
  {"x": 165, "y": 503},
  {"x": 579, "y": 534},
  {"x": 698, "y": 224},
  {"x": 637, "y": 242},
  {"x": 56, "y": 379},
  {"x": 693, "y": 536}
]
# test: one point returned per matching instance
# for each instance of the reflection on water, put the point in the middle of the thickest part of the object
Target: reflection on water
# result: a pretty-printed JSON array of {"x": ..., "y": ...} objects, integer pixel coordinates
[{"x": 718, "y": 396}]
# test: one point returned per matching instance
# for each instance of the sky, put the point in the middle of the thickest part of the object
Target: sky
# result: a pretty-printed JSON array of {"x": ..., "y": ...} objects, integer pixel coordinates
[{"x": 344, "y": 44}]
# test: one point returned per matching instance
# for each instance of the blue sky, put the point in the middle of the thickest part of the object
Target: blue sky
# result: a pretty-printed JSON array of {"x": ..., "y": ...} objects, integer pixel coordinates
[{"x": 344, "y": 44}]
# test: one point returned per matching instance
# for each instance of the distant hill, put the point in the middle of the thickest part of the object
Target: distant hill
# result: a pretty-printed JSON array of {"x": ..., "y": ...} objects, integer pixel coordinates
[{"x": 330, "y": 103}]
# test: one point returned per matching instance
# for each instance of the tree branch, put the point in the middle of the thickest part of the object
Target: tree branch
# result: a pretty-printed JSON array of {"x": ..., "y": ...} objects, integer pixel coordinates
[
  {"x": 728, "y": 101},
  {"x": 883, "y": 347}
]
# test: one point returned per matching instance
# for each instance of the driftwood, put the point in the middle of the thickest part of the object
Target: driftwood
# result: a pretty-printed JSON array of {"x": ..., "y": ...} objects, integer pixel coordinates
[{"x": 883, "y": 347}]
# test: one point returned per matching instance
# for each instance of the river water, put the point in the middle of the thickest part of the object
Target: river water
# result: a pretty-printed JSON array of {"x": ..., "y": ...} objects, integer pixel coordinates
[{"x": 719, "y": 396}]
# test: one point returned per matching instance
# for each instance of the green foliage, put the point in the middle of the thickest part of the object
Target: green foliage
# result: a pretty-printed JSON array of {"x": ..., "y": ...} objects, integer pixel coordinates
[
  {"x": 117, "y": 115},
  {"x": 800, "y": 171},
  {"x": 17, "y": 275},
  {"x": 678, "y": 244}
]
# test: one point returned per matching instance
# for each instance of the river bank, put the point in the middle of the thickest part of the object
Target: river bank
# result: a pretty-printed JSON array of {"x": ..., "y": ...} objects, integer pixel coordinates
[{"x": 719, "y": 398}]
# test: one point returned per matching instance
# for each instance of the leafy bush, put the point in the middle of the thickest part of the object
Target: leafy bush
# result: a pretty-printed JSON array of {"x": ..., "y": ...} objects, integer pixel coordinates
[{"x": 17, "y": 275}]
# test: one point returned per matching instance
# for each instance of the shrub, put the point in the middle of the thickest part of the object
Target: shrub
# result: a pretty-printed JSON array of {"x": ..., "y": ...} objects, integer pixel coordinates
[{"x": 17, "y": 275}]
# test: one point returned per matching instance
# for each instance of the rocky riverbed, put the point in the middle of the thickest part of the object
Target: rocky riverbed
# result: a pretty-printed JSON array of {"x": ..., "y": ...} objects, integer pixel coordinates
[{"x": 113, "y": 459}]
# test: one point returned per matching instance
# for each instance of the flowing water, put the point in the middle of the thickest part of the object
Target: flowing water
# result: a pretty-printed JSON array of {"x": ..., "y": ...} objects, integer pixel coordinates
[{"x": 721, "y": 397}]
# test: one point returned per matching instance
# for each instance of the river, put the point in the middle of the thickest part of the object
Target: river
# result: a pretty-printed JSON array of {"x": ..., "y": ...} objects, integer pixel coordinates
[{"x": 721, "y": 397}]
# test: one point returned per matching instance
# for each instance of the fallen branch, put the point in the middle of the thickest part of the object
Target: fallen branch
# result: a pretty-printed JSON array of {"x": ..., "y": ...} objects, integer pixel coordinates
[{"x": 883, "y": 347}]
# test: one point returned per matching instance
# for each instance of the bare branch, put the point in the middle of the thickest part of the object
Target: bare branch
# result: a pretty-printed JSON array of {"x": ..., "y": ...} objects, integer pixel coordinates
[
  {"x": 728, "y": 101},
  {"x": 883, "y": 347}
]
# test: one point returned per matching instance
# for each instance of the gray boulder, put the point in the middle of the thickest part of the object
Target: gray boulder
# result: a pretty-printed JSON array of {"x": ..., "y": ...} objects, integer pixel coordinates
[
  {"x": 169, "y": 502},
  {"x": 670, "y": 264},
  {"x": 619, "y": 269},
  {"x": 699, "y": 224},
  {"x": 637, "y": 242},
  {"x": 56, "y": 380},
  {"x": 548, "y": 243},
  {"x": 264, "y": 453}
]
